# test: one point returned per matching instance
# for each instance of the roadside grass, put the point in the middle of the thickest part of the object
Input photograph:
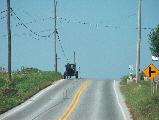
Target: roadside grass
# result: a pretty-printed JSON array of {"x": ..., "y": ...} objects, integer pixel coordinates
[
  {"x": 25, "y": 83},
  {"x": 139, "y": 102}
]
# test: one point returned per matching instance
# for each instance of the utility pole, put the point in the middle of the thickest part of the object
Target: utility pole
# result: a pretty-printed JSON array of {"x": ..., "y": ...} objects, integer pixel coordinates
[
  {"x": 138, "y": 44},
  {"x": 9, "y": 40},
  {"x": 74, "y": 57},
  {"x": 79, "y": 72},
  {"x": 55, "y": 31}
]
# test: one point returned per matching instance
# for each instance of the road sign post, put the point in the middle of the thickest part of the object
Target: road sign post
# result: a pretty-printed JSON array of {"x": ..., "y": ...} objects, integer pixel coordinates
[
  {"x": 150, "y": 88},
  {"x": 151, "y": 71}
]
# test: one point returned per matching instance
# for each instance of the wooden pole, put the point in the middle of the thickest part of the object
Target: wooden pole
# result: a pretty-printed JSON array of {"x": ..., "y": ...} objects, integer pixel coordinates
[
  {"x": 55, "y": 31},
  {"x": 138, "y": 44},
  {"x": 9, "y": 40},
  {"x": 74, "y": 57}
]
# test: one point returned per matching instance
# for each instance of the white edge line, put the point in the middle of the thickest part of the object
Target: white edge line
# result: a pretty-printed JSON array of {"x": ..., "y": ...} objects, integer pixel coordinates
[
  {"x": 33, "y": 98},
  {"x": 119, "y": 102}
]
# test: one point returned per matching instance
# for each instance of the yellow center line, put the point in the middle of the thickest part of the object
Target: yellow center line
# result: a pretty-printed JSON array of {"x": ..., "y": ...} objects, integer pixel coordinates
[{"x": 74, "y": 102}]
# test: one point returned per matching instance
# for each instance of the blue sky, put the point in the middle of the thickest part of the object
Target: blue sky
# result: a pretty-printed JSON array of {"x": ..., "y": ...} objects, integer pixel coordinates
[{"x": 102, "y": 33}]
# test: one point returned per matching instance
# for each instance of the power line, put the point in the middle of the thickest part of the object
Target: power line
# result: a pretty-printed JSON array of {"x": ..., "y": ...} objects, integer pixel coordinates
[
  {"x": 62, "y": 48},
  {"x": 30, "y": 29},
  {"x": 35, "y": 21},
  {"x": 84, "y": 23},
  {"x": 73, "y": 21},
  {"x": 23, "y": 10},
  {"x": 4, "y": 17},
  {"x": 4, "y": 11},
  {"x": 91, "y": 24},
  {"x": 28, "y": 33}
]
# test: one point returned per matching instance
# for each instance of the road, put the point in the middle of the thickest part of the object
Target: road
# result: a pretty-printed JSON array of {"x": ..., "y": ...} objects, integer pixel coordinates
[{"x": 74, "y": 99}]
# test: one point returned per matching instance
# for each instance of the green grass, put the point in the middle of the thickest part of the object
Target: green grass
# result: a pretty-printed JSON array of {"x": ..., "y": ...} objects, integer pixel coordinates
[
  {"x": 124, "y": 80},
  {"x": 139, "y": 102},
  {"x": 25, "y": 83}
]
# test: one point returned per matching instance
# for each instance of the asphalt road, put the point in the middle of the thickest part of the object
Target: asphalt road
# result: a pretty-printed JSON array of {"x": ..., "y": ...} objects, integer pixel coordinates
[{"x": 74, "y": 99}]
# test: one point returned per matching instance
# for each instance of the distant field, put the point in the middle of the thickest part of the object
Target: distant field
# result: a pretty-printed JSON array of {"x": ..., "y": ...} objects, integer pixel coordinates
[
  {"x": 139, "y": 102},
  {"x": 24, "y": 84}
]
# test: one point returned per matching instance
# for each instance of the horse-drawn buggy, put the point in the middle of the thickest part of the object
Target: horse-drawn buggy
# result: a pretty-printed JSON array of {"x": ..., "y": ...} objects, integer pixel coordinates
[{"x": 70, "y": 71}]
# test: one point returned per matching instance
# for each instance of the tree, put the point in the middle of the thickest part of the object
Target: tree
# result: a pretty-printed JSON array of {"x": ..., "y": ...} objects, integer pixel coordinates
[{"x": 154, "y": 41}]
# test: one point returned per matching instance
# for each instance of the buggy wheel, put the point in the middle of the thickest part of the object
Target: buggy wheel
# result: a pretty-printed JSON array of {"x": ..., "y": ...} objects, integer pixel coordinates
[
  {"x": 65, "y": 74},
  {"x": 64, "y": 77},
  {"x": 76, "y": 74}
]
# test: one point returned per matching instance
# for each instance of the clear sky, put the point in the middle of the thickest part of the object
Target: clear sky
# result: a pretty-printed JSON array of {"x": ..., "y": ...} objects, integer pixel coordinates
[{"x": 102, "y": 33}]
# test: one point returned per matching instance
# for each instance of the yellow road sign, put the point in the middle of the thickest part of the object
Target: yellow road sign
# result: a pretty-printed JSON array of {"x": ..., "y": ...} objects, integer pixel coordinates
[{"x": 151, "y": 71}]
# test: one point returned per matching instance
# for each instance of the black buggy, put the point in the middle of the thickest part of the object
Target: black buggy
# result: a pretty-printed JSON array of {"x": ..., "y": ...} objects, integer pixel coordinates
[{"x": 70, "y": 71}]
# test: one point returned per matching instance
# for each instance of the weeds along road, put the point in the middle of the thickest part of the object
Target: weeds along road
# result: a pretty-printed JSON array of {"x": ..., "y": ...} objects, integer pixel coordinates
[{"x": 74, "y": 99}]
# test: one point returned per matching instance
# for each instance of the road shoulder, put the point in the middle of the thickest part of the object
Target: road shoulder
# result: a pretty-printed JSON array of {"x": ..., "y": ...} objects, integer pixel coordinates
[
  {"x": 29, "y": 101},
  {"x": 121, "y": 100}
]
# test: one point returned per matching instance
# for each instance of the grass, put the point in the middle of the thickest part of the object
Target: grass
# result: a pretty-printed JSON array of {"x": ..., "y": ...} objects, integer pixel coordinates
[
  {"x": 139, "y": 102},
  {"x": 25, "y": 83}
]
